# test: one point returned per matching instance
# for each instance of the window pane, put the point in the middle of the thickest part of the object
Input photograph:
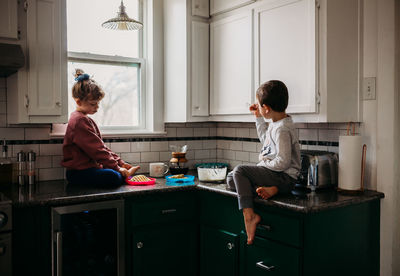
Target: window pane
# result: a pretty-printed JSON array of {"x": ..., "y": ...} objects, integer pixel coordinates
[
  {"x": 120, "y": 83},
  {"x": 85, "y": 33}
]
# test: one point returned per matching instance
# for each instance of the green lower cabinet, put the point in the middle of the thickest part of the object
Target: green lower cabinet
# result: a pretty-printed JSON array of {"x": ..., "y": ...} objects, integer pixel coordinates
[
  {"x": 266, "y": 257},
  {"x": 219, "y": 252},
  {"x": 165, "y": 249}
]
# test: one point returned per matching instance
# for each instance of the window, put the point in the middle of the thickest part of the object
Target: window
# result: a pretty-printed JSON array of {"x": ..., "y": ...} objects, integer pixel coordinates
[{"x": 113, "y": 58}]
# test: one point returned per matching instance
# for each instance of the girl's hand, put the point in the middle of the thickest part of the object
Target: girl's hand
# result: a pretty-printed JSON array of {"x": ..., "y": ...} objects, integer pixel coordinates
[
  {"x": 127, "y": 166},
  {"x": 133, "y": 169},
  {"x": 254, "y": 109},
  {"x": 124, "y": 172}
]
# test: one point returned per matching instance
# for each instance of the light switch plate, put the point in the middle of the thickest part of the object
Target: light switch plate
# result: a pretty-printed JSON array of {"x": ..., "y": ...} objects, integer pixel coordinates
[{"x": 369, "y": 92}]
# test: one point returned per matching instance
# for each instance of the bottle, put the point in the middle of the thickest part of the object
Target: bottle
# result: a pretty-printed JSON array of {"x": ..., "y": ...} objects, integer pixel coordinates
[
  {"x": 21, "y": 168},
  {"x": 31, "y": 167},
  {"x": 5, "y": 167}
]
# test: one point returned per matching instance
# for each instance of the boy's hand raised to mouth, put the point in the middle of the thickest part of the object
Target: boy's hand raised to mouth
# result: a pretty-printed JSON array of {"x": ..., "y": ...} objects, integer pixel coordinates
[{"x": 254, "y": 109}]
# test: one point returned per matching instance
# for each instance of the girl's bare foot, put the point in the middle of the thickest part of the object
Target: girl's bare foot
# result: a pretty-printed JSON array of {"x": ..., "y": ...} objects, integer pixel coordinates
[
  {"x": 267, "y": 192},
  {"x": 133, "y": 169},
  {"x": 251, "y": 220}
]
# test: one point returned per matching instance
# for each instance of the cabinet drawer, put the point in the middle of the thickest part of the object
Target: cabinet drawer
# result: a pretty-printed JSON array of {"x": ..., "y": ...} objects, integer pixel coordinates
[
  {"x": 266, "y": 257},
  {"x": 162, "y": 209},
  {"x": 279, "y": 227}
]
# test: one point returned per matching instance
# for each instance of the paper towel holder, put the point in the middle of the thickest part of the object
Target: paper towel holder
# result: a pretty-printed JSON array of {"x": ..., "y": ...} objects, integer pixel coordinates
[{"x": 361, "y": 190}]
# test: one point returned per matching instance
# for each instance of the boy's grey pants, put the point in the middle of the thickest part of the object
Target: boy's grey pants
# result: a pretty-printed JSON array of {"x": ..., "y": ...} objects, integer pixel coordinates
[{"x": 245, "y": 179}]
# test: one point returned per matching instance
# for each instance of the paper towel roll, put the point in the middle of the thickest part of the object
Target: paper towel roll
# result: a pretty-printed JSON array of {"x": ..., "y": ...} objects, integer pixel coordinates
[{"x": 350, "y": 155}]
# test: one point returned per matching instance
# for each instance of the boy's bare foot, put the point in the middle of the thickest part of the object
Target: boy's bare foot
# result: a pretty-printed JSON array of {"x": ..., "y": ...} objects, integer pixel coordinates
[
  {"x": 267, "y": 192},
  {"x": 251, "y": 220},
  {"x": 133, "y": 169}
]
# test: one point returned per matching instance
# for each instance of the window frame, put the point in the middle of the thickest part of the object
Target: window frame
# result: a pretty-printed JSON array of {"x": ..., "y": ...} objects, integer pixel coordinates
[{"x": 126, "y": 61}]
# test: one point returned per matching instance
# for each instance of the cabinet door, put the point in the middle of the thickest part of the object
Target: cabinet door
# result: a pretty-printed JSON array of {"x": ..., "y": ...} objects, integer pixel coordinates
[
  {"x": 201, "y": 8},
  {"x": 46, "y": 33},
  {"x": 219, "y": 252},
  {"x": 200, "y": 65},
  {"x": 285, "y": 50},
  {"x": 265, "y": 257},
  {"x": 218, "y": 6},
  {"x": 9, "y": 19},
  {"x": 164, "y": 249},
  {"x": 231, "y": 65}
]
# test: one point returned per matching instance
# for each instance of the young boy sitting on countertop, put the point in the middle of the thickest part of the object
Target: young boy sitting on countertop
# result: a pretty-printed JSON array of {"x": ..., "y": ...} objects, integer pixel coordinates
[{"x": 279, "y": 164}]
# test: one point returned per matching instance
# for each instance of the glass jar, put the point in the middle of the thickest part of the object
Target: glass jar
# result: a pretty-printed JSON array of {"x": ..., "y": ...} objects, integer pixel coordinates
[{"x": 178, "y": 163}]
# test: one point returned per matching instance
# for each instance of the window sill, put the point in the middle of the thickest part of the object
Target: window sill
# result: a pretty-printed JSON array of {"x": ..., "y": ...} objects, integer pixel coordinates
[{"x": 58, "y": 131}]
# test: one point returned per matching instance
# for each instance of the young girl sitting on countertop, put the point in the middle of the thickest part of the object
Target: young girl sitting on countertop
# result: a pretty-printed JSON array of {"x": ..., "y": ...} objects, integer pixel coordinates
[
  {"x": 86, "y": 157},
  {"x": 279, "y": 164}
]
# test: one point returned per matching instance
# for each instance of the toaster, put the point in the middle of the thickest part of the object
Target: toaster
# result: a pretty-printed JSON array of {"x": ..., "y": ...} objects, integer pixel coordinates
[{"x": 319, "y": 169}]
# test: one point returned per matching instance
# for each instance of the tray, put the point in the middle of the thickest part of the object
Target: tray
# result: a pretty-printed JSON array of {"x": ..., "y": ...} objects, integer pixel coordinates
[
  {"x": 187, "y": 179},
  {"x": 135, "y": 183}
]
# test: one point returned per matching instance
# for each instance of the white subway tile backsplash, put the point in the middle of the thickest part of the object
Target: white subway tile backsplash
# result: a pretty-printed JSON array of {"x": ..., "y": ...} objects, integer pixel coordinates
[
  {"x": 242, "y": 156},
  {"x": 144, "y": 168},
  {"x": 220, "y": 153},
  {"x": 333, "y": 149},
  {"x": 209, "y": 144},
  {"x": 159, "y": 146},
  {"x": 229, "y": 132},
  {"x": 149, "y": 156},
  {"x": 213, "y": 131},
  {"x": 253, "y": 157},
  {"x": 234, "y": 163},
  {"x": 165, "y": 156},
  {"x": 229, "y": 154},
  {"x": 140, "y": 146},
  {"x": 249, "y": 146},
  {"x": 3, "y": 83},
  {"x": 24, "y": 148},
  {"x": 220, "y": 132},
  {"x": 201, "y": 132},
  {"x": 202, "y": 154},
  {"x": 12, "y": 133},
  {"x": 171, "y": 131},
  {"x": 236, "y": 145},
  {"x": 51, "y": 174},
  {"x": 184, "y": 132},
  {"x": 131, "y": 157},
  {"x": 331, "y": 135},
  {"x": 195, "y": 144},
  {"x": 121, "y": 147},
  {"x": 44, "y": 162},
  {"x": 253, "y": 133},
  {"x": 316, "y": 147},
  {"x": 308, "y": 134},
  {"x": 37, "y": 133},
  {"x": 242, "y": 132},
  {"x": 259, "y": 147},
  {"x": 50, "y": 149},
  {"x": 56, "y": 161},
  {"x": 213, "y": 153}
]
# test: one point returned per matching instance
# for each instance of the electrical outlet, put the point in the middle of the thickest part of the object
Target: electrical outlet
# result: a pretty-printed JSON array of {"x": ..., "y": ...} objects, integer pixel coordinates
[{"x": 369, "y": 92}]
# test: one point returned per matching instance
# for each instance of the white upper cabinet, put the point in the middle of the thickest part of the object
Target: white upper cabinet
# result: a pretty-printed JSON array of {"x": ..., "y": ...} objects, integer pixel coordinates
[
  {"x": 219, "y": 6},
  {"x": 200, "y": 72},
  {"x": 285, "y": 50},
  {"x": 8, "y": 19},
  {"x": 37, "y": 93},
  {"x": 201, "y": 8},
  {"x": 186, "y": 62},
  {"x": 231, "y": 64}
]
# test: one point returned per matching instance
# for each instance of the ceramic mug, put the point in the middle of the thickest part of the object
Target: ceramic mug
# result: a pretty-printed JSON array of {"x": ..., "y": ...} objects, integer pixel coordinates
[{"x": 158, "y": 169}]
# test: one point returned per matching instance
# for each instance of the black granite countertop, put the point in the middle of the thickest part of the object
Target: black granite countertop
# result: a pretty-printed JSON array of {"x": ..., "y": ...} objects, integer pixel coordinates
[{"x": 58, "y": 192}]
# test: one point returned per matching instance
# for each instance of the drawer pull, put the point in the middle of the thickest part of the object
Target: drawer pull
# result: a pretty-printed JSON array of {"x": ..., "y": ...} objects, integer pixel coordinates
[
  {"x": 230, "y": 245},
  {"x": 265, "y": 267},
  {"x": 168, "y": 211},
  {"x": 265, "y": 227},
  {"x": 139, "y": 245}
]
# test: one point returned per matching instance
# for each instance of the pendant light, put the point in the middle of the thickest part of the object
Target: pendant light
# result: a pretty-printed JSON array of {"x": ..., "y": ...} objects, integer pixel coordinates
[{"x": 122, "y": 21}]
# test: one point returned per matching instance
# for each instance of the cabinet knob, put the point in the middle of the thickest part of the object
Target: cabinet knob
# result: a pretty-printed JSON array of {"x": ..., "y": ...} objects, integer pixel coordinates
[
  {"x": 230, "y": 245},
  {"x": 139, "y": 245},
  {"x": 58, "y": 104},
  {"x": 197, "y": 107}
]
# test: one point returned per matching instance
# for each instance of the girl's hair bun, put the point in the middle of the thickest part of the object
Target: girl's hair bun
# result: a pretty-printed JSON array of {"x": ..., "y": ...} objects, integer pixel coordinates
[{"x": 78, "y": 72}]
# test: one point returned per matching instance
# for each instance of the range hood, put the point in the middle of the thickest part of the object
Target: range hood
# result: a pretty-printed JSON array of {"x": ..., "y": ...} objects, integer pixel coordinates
[{"x": 11, "y": 59}]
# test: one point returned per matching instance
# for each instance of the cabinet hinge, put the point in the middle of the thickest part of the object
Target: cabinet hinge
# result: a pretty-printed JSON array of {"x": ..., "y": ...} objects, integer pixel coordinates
[
  {"x": 26, "y": 101},
  {"x": 317, "y": 4},
  {"x": 318, "y": 98},
  {"x": 25, "y": 5}
]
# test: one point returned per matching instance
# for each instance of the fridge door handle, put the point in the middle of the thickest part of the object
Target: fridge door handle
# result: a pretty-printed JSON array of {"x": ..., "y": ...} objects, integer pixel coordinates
[{"x": 59, "y": 253}]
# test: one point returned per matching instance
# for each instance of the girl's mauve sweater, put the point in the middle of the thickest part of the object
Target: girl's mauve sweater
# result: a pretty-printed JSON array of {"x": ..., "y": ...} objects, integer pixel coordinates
[{"x": 84, "y": 148}]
